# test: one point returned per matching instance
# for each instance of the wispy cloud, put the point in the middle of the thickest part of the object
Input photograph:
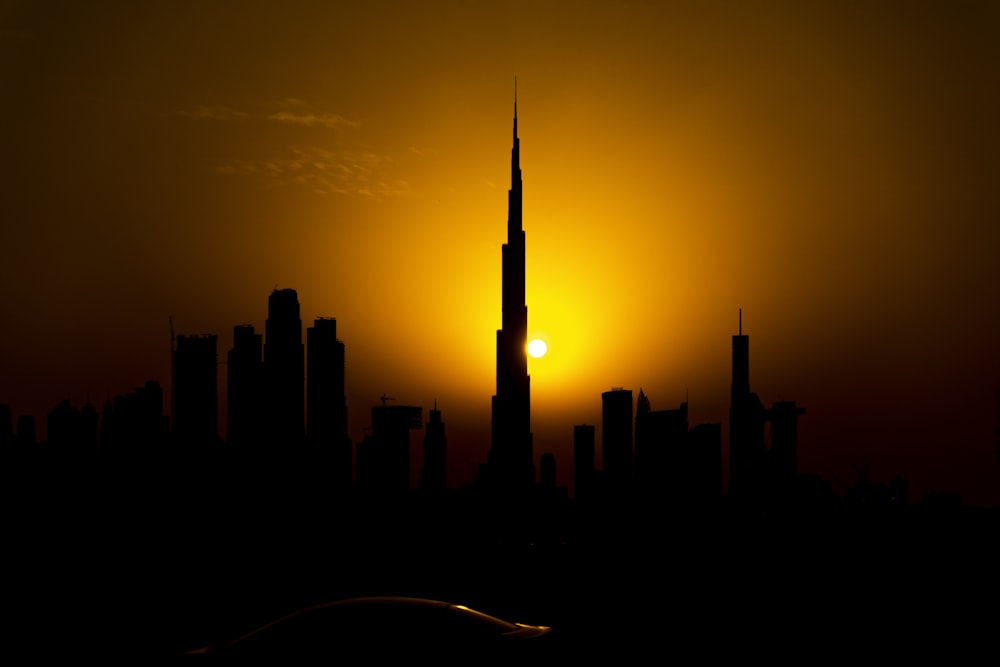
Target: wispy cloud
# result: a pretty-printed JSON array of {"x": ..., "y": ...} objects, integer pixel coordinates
[
  {"x": 310, "y": 119},
  {"x": 325, "y": 171},
  {"x": 340, "y": 170},
  {"x": 213, "y": 113},
  {"x": 298, "y": 115}
]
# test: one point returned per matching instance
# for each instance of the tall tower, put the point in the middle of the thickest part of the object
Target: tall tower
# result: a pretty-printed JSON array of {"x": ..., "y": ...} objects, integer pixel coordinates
[
  {"x": 616, "y": 440},
  {"x": 245, "y": 382},
  {"x": 284, "y": 369},
  {"x": 326, "y": 400},
  {"x": 511, "y": 462},
  {"x": 435, "y": 473},
  {"x": 747, "y": 448},
  {"x": 196, "y": 395}
]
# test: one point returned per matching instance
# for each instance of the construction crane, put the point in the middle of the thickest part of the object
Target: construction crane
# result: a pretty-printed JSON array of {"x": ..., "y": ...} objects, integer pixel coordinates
[{"x": 385, "y": 398}]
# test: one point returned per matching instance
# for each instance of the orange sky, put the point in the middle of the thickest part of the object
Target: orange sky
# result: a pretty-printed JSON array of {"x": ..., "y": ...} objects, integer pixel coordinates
[{"x": 831, "y": 169}]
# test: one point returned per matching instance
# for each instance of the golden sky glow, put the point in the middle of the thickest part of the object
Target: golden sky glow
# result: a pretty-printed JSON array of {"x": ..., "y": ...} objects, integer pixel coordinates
[{"x": 830, "y": 168}]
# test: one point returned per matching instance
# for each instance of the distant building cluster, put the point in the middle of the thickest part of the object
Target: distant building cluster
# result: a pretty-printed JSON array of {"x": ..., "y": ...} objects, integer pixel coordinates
[{"x": 284, "y": 398}]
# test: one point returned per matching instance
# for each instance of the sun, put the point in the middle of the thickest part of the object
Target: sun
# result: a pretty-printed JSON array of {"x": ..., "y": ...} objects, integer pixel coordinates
[{"x": 537, "y": 348}]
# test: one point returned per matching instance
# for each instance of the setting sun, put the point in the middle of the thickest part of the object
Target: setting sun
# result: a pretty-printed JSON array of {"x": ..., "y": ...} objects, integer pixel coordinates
[{"x": 537, "y": 348}]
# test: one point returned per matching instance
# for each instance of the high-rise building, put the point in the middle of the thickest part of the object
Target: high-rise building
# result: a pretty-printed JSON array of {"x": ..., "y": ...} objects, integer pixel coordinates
[
  {"x": 511, "y": 461},
  {"x": 384, "y": 456},
  {"x": 435, "y": 474},
  {"x": 25, "y": 433},
  {"x": 784, "y": 416},
  {"x": 661, "y": 464},
  {"x": 284, "y": 370},
  {"x": 616, "y": 440},
  {"x": 747, "y": 447},
  {"x": 584, "y": 477},
  {"x": 326, "y": 400},
  {"x": 196, "y": 394},
  {"x": 245, "y": 387},
  {"x": 704, "y": 487},
  {"x": 7, "y": 427}
]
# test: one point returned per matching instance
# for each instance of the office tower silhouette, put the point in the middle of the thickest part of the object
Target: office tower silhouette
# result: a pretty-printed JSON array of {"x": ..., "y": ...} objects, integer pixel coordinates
[
  {"x": 326, "y": 400},
  {"x": 384, "y": 455},
  {"x": 784, "y": 461},
  {"x": 195, "y": 390},
  {"x": 547, "y": 472},
  {"x": 584, "y": 476},
  {"x": 63, "y": 425},
  {"x": 72, "y": 430},
  {"x": 245, "y": 387},
  {"x": 705, "y": 445},
  {"x": 747, "y": 448},
  {"x": 616, "y": 440},
  {"x": 6, "y": 426},
  {"x": 661, "y": 462},
  {"x": 435, "y": 473},
  {"x": 511, "y": 461},
  {"x": 25, "y": 433},
  {"x": 284, "y": 370}
]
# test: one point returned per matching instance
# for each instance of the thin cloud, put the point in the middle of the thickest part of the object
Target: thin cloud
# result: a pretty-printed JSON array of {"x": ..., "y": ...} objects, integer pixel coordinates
[
  {"x": 214, "y": 113},
  {"x": 298, "y": 116},
  {"x": 310, "y": 119},
  {"x": 323, "y": 171}
]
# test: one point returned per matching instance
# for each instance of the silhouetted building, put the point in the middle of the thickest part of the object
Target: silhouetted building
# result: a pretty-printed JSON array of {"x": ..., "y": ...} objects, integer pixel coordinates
[
  {"x": 196, "y": 391},
  {"x": 6, "y": 426},
  {"x": 705, "y": 446},
  {"x": 284, "y": 370},
  {"x": 643, "y": 440},
  {"x": 134, "y": 422},
  {"x": 747, "y": 446},
  {"x": 326, "y": 400},
  {"x": 384, "y": 456},
  {"x": 25, "y": 434},
  {"x": 245, "y": 387},
  {"x": 73, "y": 431},
  {"x": 616, "y": 440},
  {"x": 548, "y": 472},
  {"x": 63, "y": 425},
  {"x": 662, "y": 463},
  {"x": 784, "y": 416},
  {"x": 899, "y": 492},
  {"x": 435, "y": 473},
  {"x": 511, "y": 460},
  {"x": 584, "y": 481},
  {"x": 90, "y": 428}
]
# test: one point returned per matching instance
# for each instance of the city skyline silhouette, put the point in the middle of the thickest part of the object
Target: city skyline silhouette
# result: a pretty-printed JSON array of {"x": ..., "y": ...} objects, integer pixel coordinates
[
  {"x": 260, "y": 351},
  {"x": 288, "y": 399},
  {"x": 827, "y": 170}
]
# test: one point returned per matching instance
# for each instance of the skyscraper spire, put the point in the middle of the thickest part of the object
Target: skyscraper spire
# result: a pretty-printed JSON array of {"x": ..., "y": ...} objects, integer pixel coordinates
[
  {"x": 515, "y": 107},
  {"x": 511, "y": 459}
]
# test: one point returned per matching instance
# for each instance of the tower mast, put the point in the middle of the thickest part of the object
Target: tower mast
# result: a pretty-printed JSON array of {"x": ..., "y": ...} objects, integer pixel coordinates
[{"x": 511, "y": 458}]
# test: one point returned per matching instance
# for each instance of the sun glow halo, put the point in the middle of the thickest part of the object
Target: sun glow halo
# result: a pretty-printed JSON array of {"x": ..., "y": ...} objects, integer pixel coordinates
[{"x": 537, "y": 348}]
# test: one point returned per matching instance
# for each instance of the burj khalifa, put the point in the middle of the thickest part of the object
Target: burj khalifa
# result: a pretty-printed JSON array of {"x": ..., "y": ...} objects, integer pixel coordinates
[{"x": 511, "y": 461}]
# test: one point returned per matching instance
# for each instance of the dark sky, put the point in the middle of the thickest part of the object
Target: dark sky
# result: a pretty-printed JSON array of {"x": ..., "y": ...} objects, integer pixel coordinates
[{"x": 829, "y": 167}]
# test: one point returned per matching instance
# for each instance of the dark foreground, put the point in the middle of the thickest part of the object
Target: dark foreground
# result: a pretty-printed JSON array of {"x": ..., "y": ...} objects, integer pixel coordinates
[{"x": 144, "y": 574}]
